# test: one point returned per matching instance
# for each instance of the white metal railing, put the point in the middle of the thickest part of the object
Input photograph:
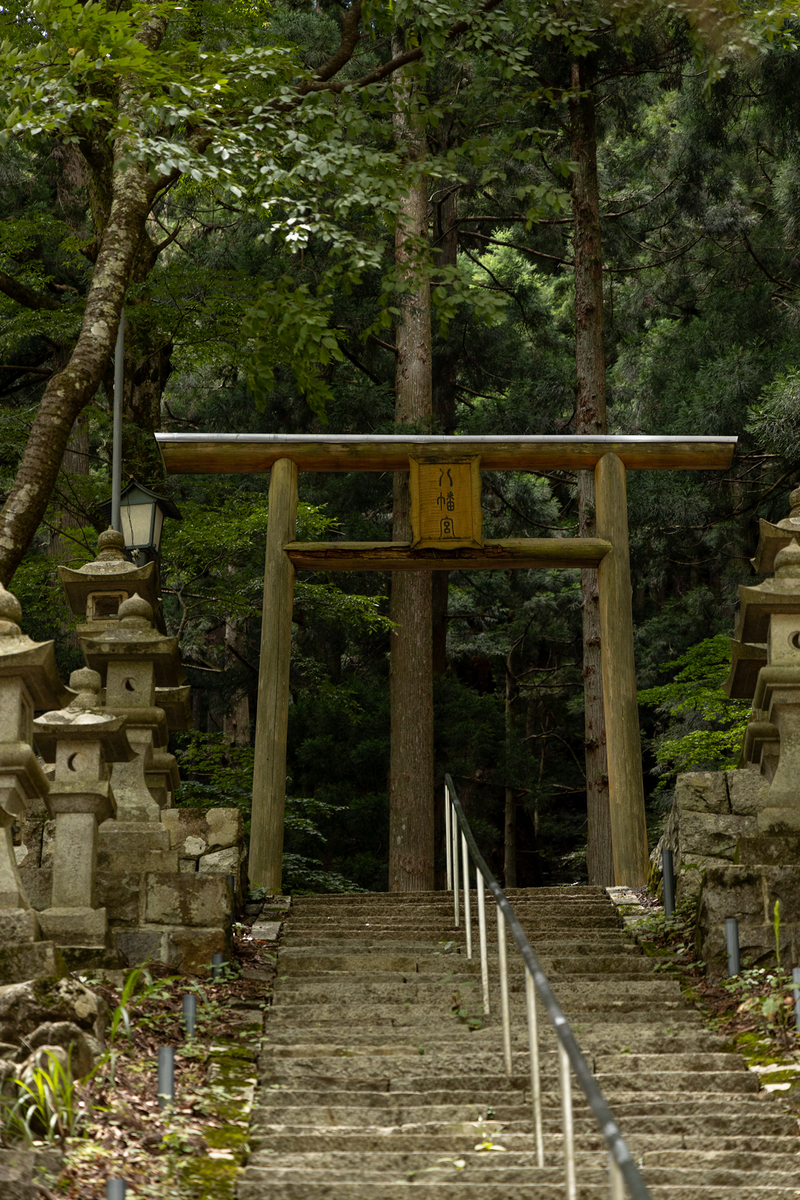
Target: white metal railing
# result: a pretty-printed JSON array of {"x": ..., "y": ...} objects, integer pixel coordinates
[{"x": 624, "y": 1177}]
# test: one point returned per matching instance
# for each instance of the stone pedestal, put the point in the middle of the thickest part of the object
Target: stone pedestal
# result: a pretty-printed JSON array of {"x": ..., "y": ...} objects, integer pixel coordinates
[
  {"x": 82, "y": 740},
  {"x": 778, "y": 692}
]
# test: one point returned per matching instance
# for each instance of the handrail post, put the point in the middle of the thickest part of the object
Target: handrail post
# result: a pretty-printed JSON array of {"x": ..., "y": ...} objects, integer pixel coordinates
[
  {"x": 482, "y": 939},
  {"x": 536, "y": 1083},
  {"x": 566, "y": 1123},
  {"x": 467, "y": 910},
  {"x": 504, "y": 1008},
  {"x": 616, "y": 1184},
  {"x": 448, "y": 838},
  {"x": 454, "y": 829}
]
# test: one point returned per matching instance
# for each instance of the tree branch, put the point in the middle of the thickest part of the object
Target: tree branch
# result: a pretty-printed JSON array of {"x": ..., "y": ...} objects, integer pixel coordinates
[
  {"x": 327, "y": 84},
  {"x": 517, "y": 246},
  {"x": 350, "y": 39},
  {"x": 26, "y": 295}
]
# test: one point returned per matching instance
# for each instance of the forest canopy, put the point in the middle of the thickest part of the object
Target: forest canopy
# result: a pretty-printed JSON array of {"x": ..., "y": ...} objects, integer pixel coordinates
[{"x": 237, "y": 177}]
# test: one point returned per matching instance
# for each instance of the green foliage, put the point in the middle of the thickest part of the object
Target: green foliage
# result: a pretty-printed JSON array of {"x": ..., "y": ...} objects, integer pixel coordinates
[
  {"x": 218, "y": 773},
  {"x": 701, "y": 729},
  {"x": 139, "y": 987},
  {"x": 292, "y": 325},
  {"x": 47, "y": 1105},
  {"x": 767, "y": 993},
  {"x": 303, "y": 876},
  {"x": 280, "y": 287},
  {"x": 774, "y": 418}
]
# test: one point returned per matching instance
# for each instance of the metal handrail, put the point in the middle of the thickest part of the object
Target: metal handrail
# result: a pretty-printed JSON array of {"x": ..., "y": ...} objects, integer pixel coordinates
[{"x": 623, "y": 1173}]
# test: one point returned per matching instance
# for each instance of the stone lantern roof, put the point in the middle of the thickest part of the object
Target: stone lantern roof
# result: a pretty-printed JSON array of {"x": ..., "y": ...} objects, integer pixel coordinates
[
  {"x": 34, "y": 662},
  {"x": 84, "y": 720},
  {"x": 96, "y": 590},
  {"x": 779, "y": 596},
  {"x": 773, "y": 538}
]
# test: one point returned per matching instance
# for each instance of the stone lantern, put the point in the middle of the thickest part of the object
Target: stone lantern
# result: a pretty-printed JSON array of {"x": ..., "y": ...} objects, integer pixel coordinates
[
  {"x": 135, "y": 660},
  {"x": 28, "y": 681},
  {"x": 765, "y": 666},
  {"x": 81, "y": 740},
  {"x": 94, "y": 593}
]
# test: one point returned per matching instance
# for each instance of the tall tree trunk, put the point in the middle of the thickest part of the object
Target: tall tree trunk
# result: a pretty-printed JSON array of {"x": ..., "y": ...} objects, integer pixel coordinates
[
  {"x": 120, "y": 216},
  {"x": 510, "y": 823},
  {"x": 411, "y": 797},
  {"x": 445, "y": 250},
  {"x": 590, "y": 418}
]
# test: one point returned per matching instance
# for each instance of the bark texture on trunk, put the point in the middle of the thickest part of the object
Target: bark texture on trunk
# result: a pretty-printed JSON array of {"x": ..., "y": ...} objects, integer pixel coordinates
[
  {"x": 590, "y": 418},
  {"x": 411, "y": 798},
  {"x": 445, "y": 359}
]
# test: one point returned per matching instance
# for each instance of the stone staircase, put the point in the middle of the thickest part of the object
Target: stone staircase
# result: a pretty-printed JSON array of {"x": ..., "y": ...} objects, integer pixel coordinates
[{"x": 380, "y": 1074}]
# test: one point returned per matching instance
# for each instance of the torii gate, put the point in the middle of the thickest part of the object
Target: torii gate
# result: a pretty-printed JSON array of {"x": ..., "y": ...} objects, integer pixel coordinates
[{"x": 446, "y": 537}]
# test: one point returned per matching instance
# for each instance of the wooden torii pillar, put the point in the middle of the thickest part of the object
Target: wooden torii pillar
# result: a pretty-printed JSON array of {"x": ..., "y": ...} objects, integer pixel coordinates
[{"x": 284, "y": 456}]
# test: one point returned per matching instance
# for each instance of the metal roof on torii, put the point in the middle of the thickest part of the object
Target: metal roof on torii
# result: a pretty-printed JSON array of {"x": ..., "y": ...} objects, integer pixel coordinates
[{"x": 284, "y": 456}]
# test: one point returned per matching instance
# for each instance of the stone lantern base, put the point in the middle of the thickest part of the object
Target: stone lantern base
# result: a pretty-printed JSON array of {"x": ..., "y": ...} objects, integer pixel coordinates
[{"x": 728, "y": 868}]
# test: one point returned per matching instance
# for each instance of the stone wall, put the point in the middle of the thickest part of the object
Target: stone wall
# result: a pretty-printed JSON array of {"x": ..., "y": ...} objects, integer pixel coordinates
[
  {"x": 727, "y": 869},
  {"x": 710, "y": 812},
  {"x": 164, "y": 885}
]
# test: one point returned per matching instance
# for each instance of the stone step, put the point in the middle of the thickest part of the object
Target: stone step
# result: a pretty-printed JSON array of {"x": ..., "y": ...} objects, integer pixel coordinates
[
  {"x": 392, "y": 1074},
  {"x": 299, "y": 1014},
  {"x": 474, "y": 1066},
  {"x": 314, "y": 962},
  {"x": 368, "y": 1078},
  {"x": 256, "y": 1185},
  {"x": 413, "y": 1160},
  {"x": 645, "y": 1039},
  {"x": 350, "y": 1142},
  {"x": 441, "y": 925},
  {"x": 494, "y": 1169},
  {"x": 400, "y": 899},
  {"x": 419, "y": 1093},
  {"x": 436, "y": 994},
  {"x": 558, "y": 941},
  {"x": 343, "y": 1107}
]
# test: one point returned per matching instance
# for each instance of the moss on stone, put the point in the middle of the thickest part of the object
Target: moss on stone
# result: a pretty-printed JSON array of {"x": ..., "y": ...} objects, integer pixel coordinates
[{"x": 209, "y": 1178}]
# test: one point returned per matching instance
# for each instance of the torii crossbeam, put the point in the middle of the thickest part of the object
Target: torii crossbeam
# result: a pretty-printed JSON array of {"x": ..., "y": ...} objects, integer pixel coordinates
[{"x": 442, "y": 545}]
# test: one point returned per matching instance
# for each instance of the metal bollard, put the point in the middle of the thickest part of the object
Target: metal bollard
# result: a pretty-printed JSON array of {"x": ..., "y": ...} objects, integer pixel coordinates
[
  {"x": 732, "y": 942},
  {"x": 115, "y": 1189},
  {"x": 189, "y": 1014},
  {"x": 669, "y": 882},
  {"x": 796, "y": 990},
  {"x": 166, "y": 1076},
  {"x": 216, "y": 965}
]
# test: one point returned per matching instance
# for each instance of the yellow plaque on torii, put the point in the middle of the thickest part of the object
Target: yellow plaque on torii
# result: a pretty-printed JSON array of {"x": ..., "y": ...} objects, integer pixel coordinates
[{"x": 445, "y": 502}]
